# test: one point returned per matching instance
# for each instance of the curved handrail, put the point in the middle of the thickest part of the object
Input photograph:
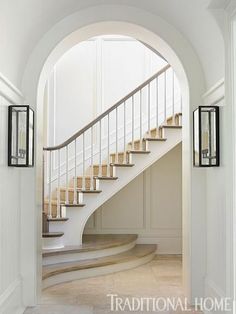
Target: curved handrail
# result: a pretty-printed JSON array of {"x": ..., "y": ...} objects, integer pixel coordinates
[{"x": 105, "y": 113}]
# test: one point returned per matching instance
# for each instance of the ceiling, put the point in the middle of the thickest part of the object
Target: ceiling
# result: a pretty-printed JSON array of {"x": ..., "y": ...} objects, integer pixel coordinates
[{"x": 24, "y": 22}]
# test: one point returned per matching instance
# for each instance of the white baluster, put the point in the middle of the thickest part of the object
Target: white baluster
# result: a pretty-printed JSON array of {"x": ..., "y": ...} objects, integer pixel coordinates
[
  {"x": 149, "y": 110},
  {"x": 108, "y": 145},
  {"x": 173, "y": 97},
  {"x": 124, "y": 156},
  {"x": 100, "y": 149},
  {"x": 165, "y": 97},
  {"x": 157, "y": 107},
  {"x": 59, "y": 184},
  {"x": 91, "y": 161},
  {"x": 75, "y": 176},
  {"x": 133, "y": 122},
  {"x": 181, "y": 103},
  {"x": 67, "y": 175},
  {"x": 116, "y": 134},
  {"x": 83, "y": 178},
  {"x": 141, "y": 120},
  {"x": 50, "y": 185}
]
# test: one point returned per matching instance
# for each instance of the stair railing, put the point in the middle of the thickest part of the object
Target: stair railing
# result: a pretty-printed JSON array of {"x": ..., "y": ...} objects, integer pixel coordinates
[{"x": 152, "y": 91}]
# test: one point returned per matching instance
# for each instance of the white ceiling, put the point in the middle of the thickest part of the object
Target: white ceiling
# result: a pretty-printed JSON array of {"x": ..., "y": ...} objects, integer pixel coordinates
[{"x": 24, "y": 22}]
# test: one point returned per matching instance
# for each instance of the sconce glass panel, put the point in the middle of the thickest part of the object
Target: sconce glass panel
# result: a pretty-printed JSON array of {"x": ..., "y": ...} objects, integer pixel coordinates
[
  {"x": 206, "y": 136},
  {"x": 20, "y": 136}
]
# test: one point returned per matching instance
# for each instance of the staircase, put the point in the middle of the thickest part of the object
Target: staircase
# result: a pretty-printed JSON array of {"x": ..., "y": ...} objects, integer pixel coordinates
[
  {"x": 99, "y": 255},
  {"x": 93, "y": 165}
]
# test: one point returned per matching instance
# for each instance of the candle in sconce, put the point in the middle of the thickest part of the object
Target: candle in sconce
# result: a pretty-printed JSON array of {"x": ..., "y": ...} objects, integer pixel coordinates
[
  {"x": 205, "y": 140},
  {"x": 20, "y": 142}
]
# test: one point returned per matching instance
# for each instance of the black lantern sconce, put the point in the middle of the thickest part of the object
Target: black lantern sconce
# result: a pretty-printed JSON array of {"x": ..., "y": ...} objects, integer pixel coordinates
[
  {"x": 206, "y": 137},
  {"x": 20, "y": 136}
]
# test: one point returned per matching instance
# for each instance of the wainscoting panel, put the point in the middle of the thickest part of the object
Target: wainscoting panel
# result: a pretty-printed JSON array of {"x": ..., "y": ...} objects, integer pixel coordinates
[
  {"x": 10, "y": 213},
  {"x": 150, "y": 206}
]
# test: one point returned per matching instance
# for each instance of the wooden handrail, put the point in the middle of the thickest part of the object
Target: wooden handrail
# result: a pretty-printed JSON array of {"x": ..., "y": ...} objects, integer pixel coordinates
[{"x": 105, "y": 113}]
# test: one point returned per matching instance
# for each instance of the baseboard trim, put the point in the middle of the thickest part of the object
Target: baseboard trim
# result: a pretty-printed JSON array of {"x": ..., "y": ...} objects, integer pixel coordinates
[
  {"x": 11, "y": 299},
  {"x": 165, "y": 245}
]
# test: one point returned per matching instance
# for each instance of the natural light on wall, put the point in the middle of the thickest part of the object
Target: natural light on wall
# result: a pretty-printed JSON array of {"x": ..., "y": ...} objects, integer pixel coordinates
[{"x": 94, "y": 75}]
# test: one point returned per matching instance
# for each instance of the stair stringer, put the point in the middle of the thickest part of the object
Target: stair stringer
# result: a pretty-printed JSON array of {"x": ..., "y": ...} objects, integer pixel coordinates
[{"x": 78, "y": 216}]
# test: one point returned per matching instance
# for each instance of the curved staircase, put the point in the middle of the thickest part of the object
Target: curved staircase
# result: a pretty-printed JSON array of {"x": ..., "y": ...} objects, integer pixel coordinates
[{"x": 73, "y": 191}]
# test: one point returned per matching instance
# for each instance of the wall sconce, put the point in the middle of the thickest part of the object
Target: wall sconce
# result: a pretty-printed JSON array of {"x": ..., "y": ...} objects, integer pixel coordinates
[
  {"x": 206, "y": 137},
  {"x": 20, "y": 136}
]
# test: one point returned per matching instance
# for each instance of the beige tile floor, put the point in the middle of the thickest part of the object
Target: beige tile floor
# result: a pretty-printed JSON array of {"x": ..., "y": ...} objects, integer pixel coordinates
[{"x": 159, "y": 278}]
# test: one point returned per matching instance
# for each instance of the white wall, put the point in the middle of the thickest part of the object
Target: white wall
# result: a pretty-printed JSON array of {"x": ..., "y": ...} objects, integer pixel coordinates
[
  {"x": 10, "y": 221},
  {"x": 144, "y": 206},
  {"x": 93, "y": 75},
  {"x": 218, "y": 199}
]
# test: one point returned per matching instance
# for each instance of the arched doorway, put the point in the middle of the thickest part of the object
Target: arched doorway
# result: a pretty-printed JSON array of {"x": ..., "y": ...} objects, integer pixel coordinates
[{"x": 188, "y": 72}]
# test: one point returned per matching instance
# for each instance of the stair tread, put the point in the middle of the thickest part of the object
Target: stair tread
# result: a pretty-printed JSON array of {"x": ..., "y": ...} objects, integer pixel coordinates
[
  {"x": 54, "y": 202},
  {"x": 171, "y": 126},
  {"x": 105, "y": 178},
  {"x": 98, "y": 165},
  {"x": 52, "y": 234},
  {"x": 121, "y": 165},
  {"x": 139, "y": 251},
  {"x": 90, "y": 191},
  {"x": 74, "y": 205},
  {"x": 99, "y": 177},
  {"x": 155, "y": 139},
  {"x": 57, "y": 219},
  {"x": 80, "y": 190},
  {"x": 94, "y": 242},
  {"x": 133, "y": 151}
]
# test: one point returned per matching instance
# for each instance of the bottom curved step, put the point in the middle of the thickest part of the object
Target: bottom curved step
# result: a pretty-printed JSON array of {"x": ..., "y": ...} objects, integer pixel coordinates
[{"x": 63, "y": 272}]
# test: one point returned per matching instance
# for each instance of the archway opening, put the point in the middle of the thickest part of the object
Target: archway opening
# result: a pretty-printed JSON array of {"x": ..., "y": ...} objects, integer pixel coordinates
[{"x": 151, "y": 40}]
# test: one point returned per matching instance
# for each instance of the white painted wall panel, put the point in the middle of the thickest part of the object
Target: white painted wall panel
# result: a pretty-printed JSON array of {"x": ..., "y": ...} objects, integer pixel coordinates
[
  {"x": 10, "y": 221},
  {"x": 150, "y": 206},
  {"x": 91, "y": 77},
  {"x": 127, "y": 208}
]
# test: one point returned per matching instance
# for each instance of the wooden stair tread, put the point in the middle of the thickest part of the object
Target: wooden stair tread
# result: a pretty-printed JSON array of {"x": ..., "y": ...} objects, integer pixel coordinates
[
  {"x": 121, "y": 165},
  {"x": 94, "y": 242},
  {"x": 98, "y": 165},
  {"x": 105, "y": 178},
  {"x": 57, "y": 219},
  {"x": 73, "y": 205},
  {"x": 80, "y": 190},
  {"x": 138, "y": 151},
  {"x": 171, "y": 126},
  {"x": 90, "y": 191},
  {"x": 139, "y": 251},
  {"x": 132, "y": 151},
  {"x": 157, "y": 139},
  {"x": 52, "y": 234},
  {"x": 99, "y": 177},
  {"x": 54, "y": 202}
]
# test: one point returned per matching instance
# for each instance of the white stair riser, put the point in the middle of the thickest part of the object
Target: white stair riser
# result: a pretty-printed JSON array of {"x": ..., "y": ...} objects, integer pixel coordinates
[
  {"x": 72, "y": 257},
  {"x": 97, "y": 271},
  {"x": 53, "y": 243},
  {"x": 70, "y": 227}
]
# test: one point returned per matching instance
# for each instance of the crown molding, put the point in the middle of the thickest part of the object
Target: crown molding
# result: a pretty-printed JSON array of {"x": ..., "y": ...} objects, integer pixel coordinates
[
  {"x": 9, "y": 91},
  {"x": 215, "y": 94}
]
